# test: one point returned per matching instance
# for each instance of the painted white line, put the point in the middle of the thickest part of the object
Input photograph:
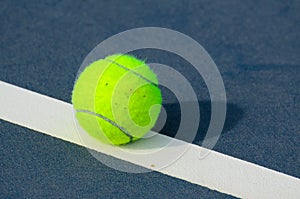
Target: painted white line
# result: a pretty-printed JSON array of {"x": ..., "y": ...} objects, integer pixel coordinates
[{"x": 216, "y": 171}]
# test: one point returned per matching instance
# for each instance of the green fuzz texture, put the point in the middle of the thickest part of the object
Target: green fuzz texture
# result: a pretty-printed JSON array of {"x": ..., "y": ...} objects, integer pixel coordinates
[{"x": 124, "y": 90}]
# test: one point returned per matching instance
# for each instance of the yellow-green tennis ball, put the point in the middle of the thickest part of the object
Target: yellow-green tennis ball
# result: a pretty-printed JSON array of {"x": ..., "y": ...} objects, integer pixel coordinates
[{"x": 117, "y": 99}]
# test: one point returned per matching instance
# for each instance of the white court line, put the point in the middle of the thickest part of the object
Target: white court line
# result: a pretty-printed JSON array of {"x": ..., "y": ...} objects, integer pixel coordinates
[{"x": 216, "y": 171}]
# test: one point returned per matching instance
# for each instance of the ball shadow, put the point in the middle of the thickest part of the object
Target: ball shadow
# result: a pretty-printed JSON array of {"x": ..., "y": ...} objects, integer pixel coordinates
[{"x": 170, "y": 128}]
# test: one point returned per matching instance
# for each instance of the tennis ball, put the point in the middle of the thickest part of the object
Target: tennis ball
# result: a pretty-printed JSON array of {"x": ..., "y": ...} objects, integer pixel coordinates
[{"x": 117, "y": 99}]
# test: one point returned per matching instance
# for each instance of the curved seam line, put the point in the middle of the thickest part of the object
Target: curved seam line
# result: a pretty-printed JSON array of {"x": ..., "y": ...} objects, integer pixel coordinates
[
  {"x": 108, "y": 120},
  {"x": 137, "y": 74}
]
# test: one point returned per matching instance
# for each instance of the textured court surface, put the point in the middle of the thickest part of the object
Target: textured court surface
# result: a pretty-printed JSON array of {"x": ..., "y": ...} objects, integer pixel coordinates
[{"x": 255, "y": 45}]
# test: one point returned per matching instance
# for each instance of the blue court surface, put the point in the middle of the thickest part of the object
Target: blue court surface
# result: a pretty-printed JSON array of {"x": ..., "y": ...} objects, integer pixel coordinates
[{"x": 255, "y": 45}]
